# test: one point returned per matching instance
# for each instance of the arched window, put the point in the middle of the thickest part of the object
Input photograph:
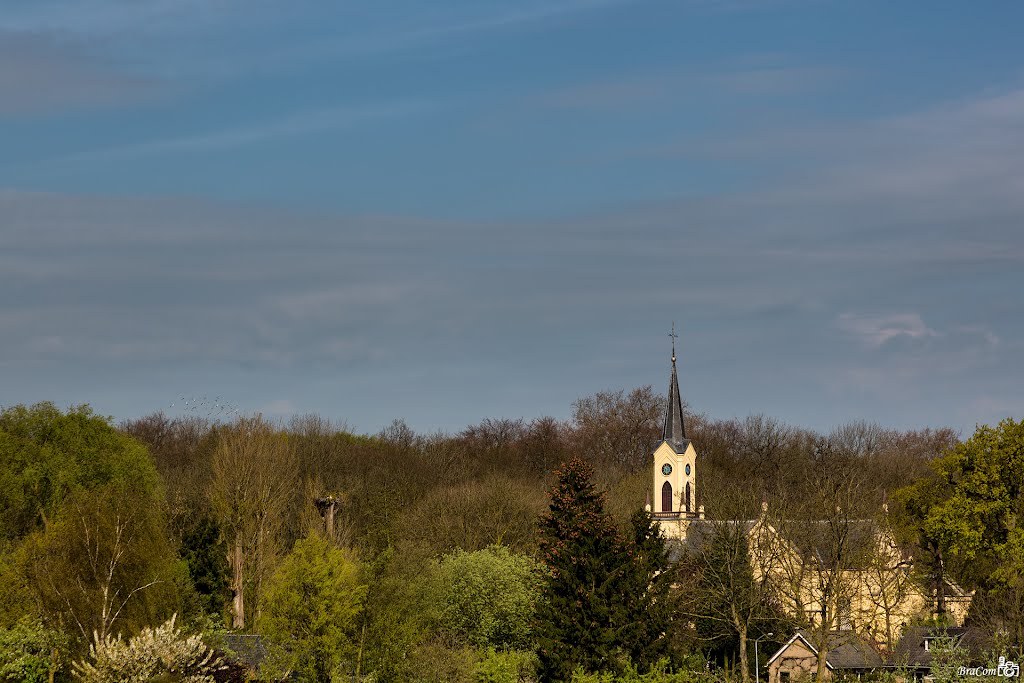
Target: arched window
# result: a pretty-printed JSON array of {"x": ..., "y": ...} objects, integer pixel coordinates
[
  {"x": 666, "y": 497},
  {"x": 687, "y": 496}
]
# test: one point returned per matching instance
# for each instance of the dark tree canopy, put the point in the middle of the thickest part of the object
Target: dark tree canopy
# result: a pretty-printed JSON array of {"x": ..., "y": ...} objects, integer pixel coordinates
[
  {"x": 648, "y": 603},
  {"x": 583, "y": 551}
]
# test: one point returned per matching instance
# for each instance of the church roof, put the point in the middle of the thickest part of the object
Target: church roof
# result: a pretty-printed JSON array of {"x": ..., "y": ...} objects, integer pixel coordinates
[
  {"x": 699, "y": 533},
  {"x": 675, "y": 430},
  {"x": 810, "y": 538},
  {"x": 847, "y": 542}
]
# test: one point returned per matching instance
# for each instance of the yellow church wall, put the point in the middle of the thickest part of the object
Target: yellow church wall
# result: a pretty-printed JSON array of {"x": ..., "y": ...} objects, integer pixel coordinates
[
  {"x": 879, "y": 600},
  {"x": 677, "y": 479}
]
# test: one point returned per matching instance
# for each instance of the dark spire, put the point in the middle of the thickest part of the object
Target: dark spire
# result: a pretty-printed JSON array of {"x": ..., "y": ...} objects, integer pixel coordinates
[{"x": 675, "y": 430}]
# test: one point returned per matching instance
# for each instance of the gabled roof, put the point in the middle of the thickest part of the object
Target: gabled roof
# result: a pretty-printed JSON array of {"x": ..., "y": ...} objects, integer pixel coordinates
[
  {"x": 911, "y": 652},
  {"x": 846, "y": 650}
]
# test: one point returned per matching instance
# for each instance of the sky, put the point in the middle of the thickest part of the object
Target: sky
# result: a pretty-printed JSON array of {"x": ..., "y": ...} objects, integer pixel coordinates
[{"x": 455, "y": 210}]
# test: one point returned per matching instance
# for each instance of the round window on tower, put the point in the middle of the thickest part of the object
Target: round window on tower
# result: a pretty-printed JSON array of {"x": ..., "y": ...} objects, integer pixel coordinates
[
  {"x": 687, "y": 469},
  {"x": 666, "y": 469}
]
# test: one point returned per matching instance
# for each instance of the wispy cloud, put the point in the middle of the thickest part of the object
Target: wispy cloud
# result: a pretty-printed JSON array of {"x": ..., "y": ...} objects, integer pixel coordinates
[
  {"x": 876, "y": 331},
  {"x": 669, "y": 86},
  {"x": 331, "y": 31},
  {"x": 106, "y": 17},
  {"x": 317, "y": 121},
  {"x": 40, "y": 74},
  {"x": 968, "y": 147},
  {"x": 515, "y": 14}
]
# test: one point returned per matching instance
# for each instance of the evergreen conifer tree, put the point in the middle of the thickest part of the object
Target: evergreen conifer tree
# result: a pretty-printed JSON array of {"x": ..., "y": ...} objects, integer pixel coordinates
[
  {"x": 645, "y": 594},
  {"x": 578, "y": 620}
]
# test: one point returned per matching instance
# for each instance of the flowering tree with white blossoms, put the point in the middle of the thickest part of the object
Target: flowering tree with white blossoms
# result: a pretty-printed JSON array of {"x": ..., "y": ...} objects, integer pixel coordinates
[{"x": 163, "y": 652}]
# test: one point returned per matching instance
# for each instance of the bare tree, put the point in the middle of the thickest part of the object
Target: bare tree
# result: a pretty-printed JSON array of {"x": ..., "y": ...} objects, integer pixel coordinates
[
  {"x": 888, "y": 583},
  {"x": 822, "y": 545},
  {"x": 254, "y": 478},
  {"x": 618, "y": 428},
  {"x": 731, "y": 593}
]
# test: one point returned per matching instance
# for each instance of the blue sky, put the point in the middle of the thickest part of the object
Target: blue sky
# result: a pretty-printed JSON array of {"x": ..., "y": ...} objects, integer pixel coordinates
[{"x": 447, "y": 211}]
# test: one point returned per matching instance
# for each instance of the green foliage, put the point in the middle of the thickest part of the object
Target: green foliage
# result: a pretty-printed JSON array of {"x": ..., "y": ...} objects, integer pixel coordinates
[
  {"x": 15, "y": 596},
  {"x": 160, "y": 654},
  {"x": 645, "y": 594},
  {"x": 971, "y": 511},
  {"x": 400, "y": 614},
  {"x": 311, "y": 609},
  {"x": 205, "y": 554},
  {"x": 47, "y": 455},
  {"x": 26, "y": 652},
  {"x": 578, "y": 619},
  {"x": 104, "y": 565},
  {"x": 62, "y": 472},
  {"x": 435, "y": 662},
  {"x": 496, "y": 510},
  {"x": 489, "y": 597},
  {"x": 986, "y": 474},
  {"x": 510, "y": 666},
  {"x": 659, "y": 673}
]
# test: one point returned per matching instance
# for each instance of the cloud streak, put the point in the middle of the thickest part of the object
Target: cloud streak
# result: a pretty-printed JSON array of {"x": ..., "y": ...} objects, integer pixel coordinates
[
  {"x": 664, "y": 88},
  {"x": 317, "y": 121},
  {"x": 876, "y": 331},
  {"x": 39, "y": 74},
  {"x": 820, "y": 295}
]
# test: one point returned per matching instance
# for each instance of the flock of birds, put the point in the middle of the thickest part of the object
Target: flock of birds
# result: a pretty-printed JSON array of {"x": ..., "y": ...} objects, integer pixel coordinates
[{"x": 212, "y": 409}]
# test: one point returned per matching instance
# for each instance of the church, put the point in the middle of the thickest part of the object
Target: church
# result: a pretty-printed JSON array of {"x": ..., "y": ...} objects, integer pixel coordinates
[{"x": 876, "y": 594}]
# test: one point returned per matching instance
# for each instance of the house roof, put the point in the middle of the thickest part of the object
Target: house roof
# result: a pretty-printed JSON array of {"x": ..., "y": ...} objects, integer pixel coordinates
[
  {"x": 911, "y": 652},
  {"x": 846, "y": 650},
  {"x": 246, "y": 649}
]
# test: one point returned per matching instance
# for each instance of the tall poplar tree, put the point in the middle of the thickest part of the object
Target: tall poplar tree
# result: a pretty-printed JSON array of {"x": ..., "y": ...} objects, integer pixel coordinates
[{"x": 578, "y": 619}]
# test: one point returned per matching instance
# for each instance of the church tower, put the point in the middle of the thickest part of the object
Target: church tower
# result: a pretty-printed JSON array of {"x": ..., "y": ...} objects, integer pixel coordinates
[{"x": 675, "y": 467}]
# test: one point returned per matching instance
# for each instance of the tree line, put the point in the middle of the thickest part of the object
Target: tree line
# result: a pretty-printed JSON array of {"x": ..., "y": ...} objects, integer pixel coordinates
[{"x": 439, "y": 558}]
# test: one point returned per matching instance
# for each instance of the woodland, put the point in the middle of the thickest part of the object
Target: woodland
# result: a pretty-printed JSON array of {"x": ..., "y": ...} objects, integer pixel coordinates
[{"x": 514, "y": 550}]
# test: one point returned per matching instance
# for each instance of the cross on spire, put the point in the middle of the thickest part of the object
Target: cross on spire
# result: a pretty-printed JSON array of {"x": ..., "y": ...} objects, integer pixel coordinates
[{"x": 674, "y": 337}]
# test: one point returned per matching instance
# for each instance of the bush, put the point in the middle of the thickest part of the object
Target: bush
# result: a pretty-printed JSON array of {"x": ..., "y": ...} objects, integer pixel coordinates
[
  {"x": 26, "y": 650},
  {"x": 660, "y": 673},
  {"x": 512, "y": 666},
  {"x": 163, "y": 653},
  {"x": 311, "y": 608},
  {"x": 489, "y": 597}
]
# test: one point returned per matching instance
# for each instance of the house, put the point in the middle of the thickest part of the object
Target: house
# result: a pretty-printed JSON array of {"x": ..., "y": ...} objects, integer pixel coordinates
[{"x": 848, "y": 653}]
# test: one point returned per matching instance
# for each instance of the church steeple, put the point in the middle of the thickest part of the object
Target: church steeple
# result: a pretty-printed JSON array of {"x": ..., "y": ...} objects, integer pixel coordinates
[
  {"x": 675, "y": 466},
  {"x": 675, "y": 429}
]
